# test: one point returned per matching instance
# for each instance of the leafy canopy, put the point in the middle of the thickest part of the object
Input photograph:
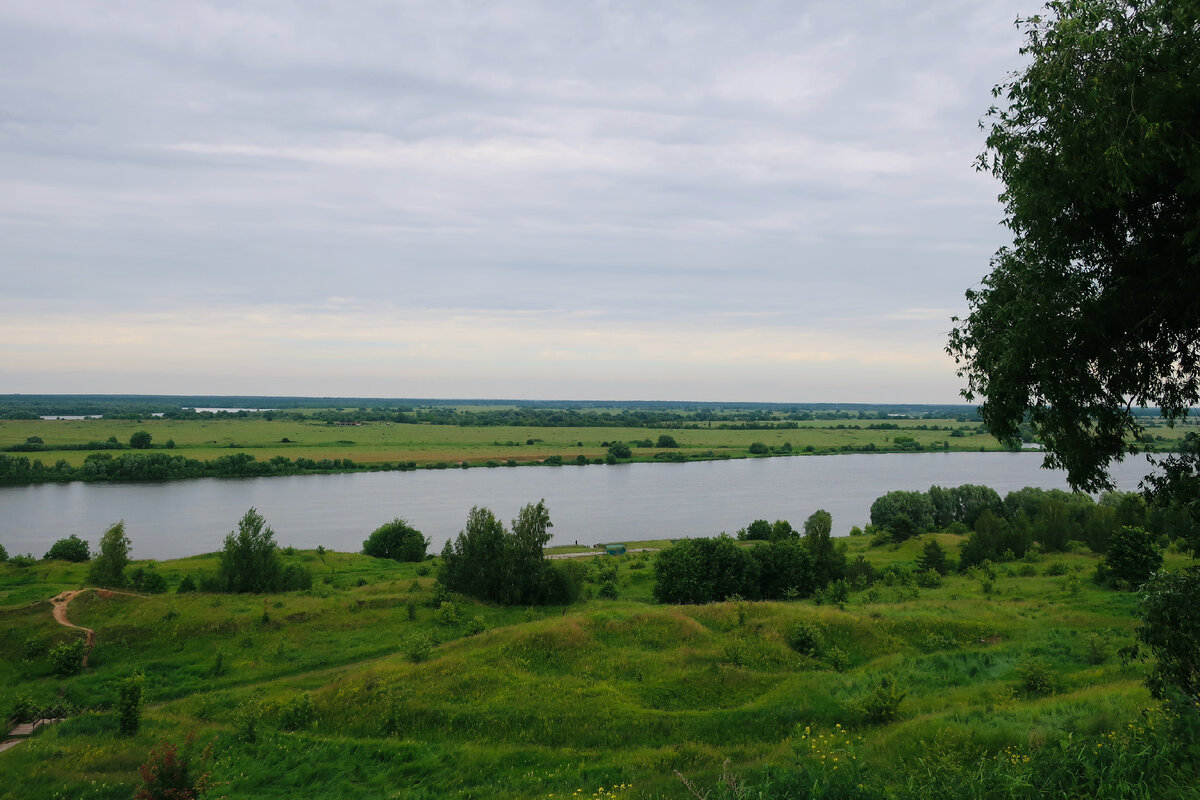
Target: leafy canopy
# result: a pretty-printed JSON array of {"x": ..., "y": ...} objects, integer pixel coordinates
[
  {"x": 397, "y": 540},
  {"x": 1095, "y": 306},
  {"x": 108, "y": 568}
]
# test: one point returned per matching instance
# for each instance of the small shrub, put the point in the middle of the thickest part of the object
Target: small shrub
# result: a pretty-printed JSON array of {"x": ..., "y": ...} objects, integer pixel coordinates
[
  {"x": 67, "y": 658},
  {"x": 397, "y": 540},
  {"x": 881, "y": 704},
  {"x": 129, "y": 704},
  {"x": 1096, "y": 649},
  {"x": 607, "y": 589},
  {"x": 245, "y": 722},
  {"x": 410, "y": 606},
  {"x": 418, "y": 647},
  {"x": 32, "y": 648},
  {"x": 475, "y": 626},
  {"x": 929, "y": 579},
  {"x": 299, "y": 713},
  {"x": 1056, "y": 569},
  {"x": 188, "y": 584},
  {"x": 71, "y": 548},
  {"x": 1034, "y": 676},
  {"x": 806, "y": 639},
  {"x": 170, "y": 774},
  {"x": 837, "y": 658},
  {"x": 153, "y": 582},
  {"x": 447, "y": 614}
]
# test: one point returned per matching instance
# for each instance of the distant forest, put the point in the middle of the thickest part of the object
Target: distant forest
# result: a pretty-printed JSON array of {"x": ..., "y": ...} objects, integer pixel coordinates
[{"x": 472, "y": 411}]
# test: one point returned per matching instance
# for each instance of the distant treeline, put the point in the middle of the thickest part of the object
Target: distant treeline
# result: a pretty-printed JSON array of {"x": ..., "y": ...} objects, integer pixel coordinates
[
  {"x": 34, "y": 406},
  {"x": 161, "y": 466}
]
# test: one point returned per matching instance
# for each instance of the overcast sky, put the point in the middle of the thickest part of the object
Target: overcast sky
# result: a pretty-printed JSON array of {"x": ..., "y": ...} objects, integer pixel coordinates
[{"x": 769, "y": 201}]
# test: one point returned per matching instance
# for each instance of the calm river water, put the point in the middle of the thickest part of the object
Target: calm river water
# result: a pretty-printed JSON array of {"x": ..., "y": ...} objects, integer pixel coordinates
[{"x": 587, "y": 504}]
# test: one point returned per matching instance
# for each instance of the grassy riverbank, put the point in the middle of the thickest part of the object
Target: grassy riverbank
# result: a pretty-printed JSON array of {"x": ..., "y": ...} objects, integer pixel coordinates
[
  {"x": 410, "y": 700},
  {"x": 371, "y": 443}
]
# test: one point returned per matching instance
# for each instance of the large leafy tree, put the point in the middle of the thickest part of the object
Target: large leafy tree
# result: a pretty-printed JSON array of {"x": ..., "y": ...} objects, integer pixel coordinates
[
  {"x": 108, "y": 568},
  {"x": 1094, "y": 308},
  {"x": 507, "y": 567},
  {"x": 250, "y": 559}
]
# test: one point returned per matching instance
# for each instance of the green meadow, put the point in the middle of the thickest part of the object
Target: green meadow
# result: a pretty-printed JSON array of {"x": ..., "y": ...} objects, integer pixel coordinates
[
  {"x": 379, "y": 442},
  {"x": 374, "y": 684}
]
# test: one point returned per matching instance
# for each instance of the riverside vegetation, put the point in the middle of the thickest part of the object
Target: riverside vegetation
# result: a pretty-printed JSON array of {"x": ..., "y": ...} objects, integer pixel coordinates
[
  {"x": 879, "y": 668},
  {"x": 129, "y": 443}
]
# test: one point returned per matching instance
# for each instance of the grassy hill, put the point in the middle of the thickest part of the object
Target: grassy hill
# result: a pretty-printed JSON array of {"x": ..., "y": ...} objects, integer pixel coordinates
[{"x": 371, "y": 685}]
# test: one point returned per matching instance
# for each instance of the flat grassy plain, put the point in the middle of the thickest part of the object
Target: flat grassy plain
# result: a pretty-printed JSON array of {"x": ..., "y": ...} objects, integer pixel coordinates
[
  {"x": 409, "y": 700},
  {"x": 379, "y": 442}
]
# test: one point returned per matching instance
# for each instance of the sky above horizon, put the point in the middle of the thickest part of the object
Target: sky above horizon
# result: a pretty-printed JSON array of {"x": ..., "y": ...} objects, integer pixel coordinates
[{"x": 767, "y": 201}]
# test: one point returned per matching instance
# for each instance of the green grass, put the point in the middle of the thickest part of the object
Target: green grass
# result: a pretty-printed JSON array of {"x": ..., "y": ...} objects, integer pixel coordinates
[
  {"x": 551, "y": 700},
  {"x": 379, "y": 442}
]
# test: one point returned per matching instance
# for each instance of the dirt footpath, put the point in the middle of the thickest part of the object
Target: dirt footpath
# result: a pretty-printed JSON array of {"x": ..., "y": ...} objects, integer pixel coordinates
[{"x": 60, "y": 603}]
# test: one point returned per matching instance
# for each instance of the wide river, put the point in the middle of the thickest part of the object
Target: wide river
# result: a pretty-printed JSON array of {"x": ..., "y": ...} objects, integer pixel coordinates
[{"x": 590, "y": 504}]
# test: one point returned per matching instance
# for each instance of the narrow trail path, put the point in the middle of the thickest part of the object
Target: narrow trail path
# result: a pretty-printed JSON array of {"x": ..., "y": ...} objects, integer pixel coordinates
[{"x": 60, "y": 602}]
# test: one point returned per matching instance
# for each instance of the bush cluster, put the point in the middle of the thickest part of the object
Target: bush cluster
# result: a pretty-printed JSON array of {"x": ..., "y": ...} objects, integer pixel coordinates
[{"x": 504, "y": 566}]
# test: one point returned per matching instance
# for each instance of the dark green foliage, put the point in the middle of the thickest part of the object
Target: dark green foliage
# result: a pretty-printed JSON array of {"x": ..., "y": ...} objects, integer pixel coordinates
[
  {"x": 1131, "y": 558},
  {"x": 71, "y": 548},
  {"x": 3, "y": 554},
  {"x": 828, "y": 558},
  {"x": 397, "y": 540},
  {"x": 129, "y": 704},
  {"x": 881, "y": 704},
  {"x": 297, "y": 714},
  {"x": 294, "y": 578},
  {"x": 188, "y": 584},
  {"x": 782, "y": 530},
  {"x": 1177, "y": 488},
  {"x": 785, "y": 570},
  {"x": 933, "y": 557},
  {"x": 806, "y": 639},
  {"x": 887, "y": 513},
  {"x": 147, "y": 581},
  {"x": 962, "y": 504},
  {"x": 993, "y": 540},
  {"x": 705, "y": 571},
  {"x": 108, "y": 568},
  {"x": 619, "y": 450},
  {"x": 140, "y": 440},
  {"x": 666, "y": 440},
  {"x": 67, "y": 658},
  {"x": 250, "y": 560},
  {"x": 1171, "y": 630},
  {"x": 507, "y": 567},
  {"x": 760, "y": 529},
  {"x": 1034, "y": 676},
  {"x": 563, "y": 582},
  {"x": 758, "y": 449},
  {"x": 860, "y": 573},
  {"x": 1094, "y": 302}
]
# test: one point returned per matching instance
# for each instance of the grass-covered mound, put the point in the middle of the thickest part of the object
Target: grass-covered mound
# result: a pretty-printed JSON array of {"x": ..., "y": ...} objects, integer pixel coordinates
[{"x": 376, "y": 684}]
